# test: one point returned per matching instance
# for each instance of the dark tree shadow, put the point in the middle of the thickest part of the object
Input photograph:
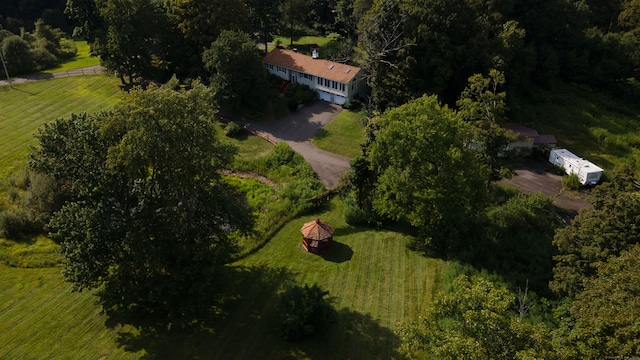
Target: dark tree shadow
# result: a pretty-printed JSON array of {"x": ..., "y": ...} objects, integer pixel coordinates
[
  {"x": 321, "y": 134},
  {"x": 338, "y": 253},
  {"x": 352, "y": 335},
  {"x": 244, "y": 323}
]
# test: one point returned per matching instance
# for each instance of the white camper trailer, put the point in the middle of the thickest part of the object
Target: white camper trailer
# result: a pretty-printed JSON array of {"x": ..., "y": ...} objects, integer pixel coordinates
[{"x": 588, "y": 172}]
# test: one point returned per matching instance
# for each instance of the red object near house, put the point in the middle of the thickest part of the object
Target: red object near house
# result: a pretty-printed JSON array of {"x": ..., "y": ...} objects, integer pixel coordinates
[{"x": 317, "y": 236}]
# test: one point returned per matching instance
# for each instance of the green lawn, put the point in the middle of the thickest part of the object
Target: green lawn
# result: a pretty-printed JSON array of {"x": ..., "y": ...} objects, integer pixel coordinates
[
  {"x": 248, "y": 145},
  {"x": 81, "y": 60},
  {"x": 302, "y": 44},
  {"x": 374, "y": 281},
  {"x": 343, "y": 135},
  {"x": 25, "y": 107},
  {"x": 41, "y": 319}
]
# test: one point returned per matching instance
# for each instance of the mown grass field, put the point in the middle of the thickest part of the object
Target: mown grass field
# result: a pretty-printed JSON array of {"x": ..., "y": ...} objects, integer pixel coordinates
[
  {"x": 374, "y": 281},
  {"x": 41, "y": 319},
  {"x": 25, "y": 107},
  {"x": 342, "y": 136},
  {"x": 81, "y": 60}
]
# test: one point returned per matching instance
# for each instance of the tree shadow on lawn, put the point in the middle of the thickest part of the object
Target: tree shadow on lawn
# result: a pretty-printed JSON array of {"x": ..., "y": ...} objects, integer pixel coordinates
[{"x": 245, "y": 324}]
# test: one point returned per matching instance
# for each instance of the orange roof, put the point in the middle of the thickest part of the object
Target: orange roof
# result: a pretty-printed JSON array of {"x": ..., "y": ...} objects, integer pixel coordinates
[
  {"x": 316, "y": 230},
  {"x": 306, "y": 64}
]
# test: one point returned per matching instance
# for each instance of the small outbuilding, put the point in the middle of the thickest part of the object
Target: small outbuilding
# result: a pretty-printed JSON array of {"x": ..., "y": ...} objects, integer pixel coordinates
[{"x": 317, "y": 236}]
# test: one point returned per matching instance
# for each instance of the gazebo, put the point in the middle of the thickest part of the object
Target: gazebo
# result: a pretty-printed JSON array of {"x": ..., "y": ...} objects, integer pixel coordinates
[{"x": 317, "y": 236}]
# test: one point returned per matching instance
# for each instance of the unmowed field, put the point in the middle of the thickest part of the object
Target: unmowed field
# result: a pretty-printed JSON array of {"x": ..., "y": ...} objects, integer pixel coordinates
[{"x": 598, "y": 126}]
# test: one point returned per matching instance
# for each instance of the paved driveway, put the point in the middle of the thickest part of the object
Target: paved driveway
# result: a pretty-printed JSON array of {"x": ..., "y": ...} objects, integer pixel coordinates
[{"x": 298, "y": 128}]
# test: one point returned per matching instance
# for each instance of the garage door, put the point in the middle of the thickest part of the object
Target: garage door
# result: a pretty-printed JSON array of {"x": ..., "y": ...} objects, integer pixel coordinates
[
  {"x": 325, "y": 96},
  {"x": 339, "y": 100}
]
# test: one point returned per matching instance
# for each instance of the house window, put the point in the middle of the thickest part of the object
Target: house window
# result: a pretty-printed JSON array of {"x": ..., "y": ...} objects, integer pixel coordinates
[
  {"x": 282, "y": 69},
  {"x": 269, "y": 66},
  {"x": 342, "y": 87}
]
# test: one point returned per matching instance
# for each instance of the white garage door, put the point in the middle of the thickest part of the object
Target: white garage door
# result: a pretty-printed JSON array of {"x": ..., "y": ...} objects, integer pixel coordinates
[
  {"x": 339, "y": 99},
  {"x": 325, "y": 96}
]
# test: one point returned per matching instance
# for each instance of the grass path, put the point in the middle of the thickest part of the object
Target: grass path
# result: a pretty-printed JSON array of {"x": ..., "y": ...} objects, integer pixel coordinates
[{"x": 27, "y": 106}]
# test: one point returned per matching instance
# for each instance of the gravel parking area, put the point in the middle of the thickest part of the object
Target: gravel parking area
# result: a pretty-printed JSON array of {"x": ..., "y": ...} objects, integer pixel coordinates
[{"x": 533, "y": 177}]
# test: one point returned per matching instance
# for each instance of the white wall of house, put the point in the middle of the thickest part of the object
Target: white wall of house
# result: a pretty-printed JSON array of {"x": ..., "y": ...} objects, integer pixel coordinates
[{"x": 328, "y": 90}]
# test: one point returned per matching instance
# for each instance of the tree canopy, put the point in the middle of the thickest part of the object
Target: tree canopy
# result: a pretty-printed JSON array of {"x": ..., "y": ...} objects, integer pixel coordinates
[
  {"x": 427, "y": 173},
  {"x": 149, "y": 216},
  {"x": 475, "y": 321},
  {"x": 238, "y": 77}
]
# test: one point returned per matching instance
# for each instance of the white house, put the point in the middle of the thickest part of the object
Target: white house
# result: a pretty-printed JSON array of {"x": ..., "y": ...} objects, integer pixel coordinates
[{"x": 334, "y": 82}]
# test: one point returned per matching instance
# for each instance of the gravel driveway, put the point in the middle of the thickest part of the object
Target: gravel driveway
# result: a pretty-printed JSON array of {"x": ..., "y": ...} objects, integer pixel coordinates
[
  {"x": 532, "y": 177},
  {"x": 297, "y": 129}
]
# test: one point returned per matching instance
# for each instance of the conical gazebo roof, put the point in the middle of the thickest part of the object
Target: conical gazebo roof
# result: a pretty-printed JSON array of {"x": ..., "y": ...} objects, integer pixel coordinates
[{"x": 317, "y": 230}]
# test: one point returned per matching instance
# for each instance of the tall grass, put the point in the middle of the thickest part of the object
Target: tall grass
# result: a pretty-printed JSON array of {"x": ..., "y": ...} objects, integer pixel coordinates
[{"x": 595, "y": 125}]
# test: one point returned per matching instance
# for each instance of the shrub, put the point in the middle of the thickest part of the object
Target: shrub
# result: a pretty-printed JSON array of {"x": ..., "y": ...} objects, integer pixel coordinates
[
  {"x": 353, "y": 214},
  {"x": 304, "y": 311},
  {"x": 571, "y": 182},
  {"x": 292, "y": 104},
  {"x": 233, "y": 129},
  {"x": 43, "y": 58},
  {"x": 13, "y": 223}
]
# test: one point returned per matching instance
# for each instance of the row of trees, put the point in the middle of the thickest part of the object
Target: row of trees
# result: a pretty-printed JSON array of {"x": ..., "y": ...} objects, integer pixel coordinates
[
  {"x": 412, "y": 47},
  {"x": 416, "y": 47},
  {"x": 32, "y": 51},
  {"x": 154, "y": 39}
]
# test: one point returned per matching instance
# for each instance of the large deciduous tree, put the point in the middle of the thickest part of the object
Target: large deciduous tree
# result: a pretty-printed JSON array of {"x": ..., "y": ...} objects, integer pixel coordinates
[
  {"x": 427, "y": 173},
  {"x": 604, "y": 317},
  {"x": 597, "y": 234},
  {"x": 475, "y": 321},
  {"x": 238, "y": 76},
  {"x": 149, "y": 218},
  {"x": 264, "y": 16},
  {"x": 132, "y": 37}
]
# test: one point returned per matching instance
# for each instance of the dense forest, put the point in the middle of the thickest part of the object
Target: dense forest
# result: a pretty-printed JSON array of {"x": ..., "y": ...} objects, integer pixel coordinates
[{"x": 443, "y": 74}]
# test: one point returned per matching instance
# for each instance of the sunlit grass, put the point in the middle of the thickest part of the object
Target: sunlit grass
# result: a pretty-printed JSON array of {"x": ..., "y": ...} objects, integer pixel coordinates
[
  {"x": 25, "y": 107},
  {"x": 81, "y": 60},
  {"x": 342, "y": 136}
]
